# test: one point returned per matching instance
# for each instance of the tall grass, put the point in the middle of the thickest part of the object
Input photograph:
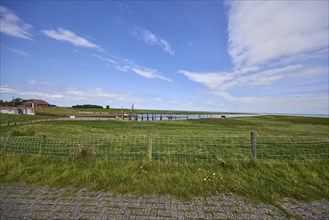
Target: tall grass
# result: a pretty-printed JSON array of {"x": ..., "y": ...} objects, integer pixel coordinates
[{"x": 259, "y": 181}]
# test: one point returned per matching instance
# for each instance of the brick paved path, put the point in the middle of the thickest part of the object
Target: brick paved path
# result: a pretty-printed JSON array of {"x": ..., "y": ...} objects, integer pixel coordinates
[{"x": 25, "y": 202}]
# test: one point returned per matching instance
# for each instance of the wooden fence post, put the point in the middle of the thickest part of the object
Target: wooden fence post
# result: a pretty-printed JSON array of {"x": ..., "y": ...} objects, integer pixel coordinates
[
  {"x": 6, "y": 144},
  {"x": 42, "y": 145},
  {"x": 149, "y": 146},
  {"x": 253, "y": 144}
]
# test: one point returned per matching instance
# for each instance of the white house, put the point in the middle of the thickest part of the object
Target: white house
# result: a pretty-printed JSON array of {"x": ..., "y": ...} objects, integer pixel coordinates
[{"x": 17, "y": 110}]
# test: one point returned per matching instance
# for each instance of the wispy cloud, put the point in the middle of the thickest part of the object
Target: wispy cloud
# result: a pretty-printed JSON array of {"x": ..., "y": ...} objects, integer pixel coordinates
[
  {"x": 69, "y": 36},
  {"x": 36, "y": 82},
  {"x": 105, "y": 59},
  {"x": 151, "y": 39},
  {"x": 12, "y": 25},
  {"x": 149, "y": 73},
  {"x": 265, "y": 31},
  {"x": 20, "y": 52},
  {"x": 127, "y": 65},
  {"x": 220, "y": 82},
  {"x": 211, "y": 80},
  {"x": 238, "y": 89}
]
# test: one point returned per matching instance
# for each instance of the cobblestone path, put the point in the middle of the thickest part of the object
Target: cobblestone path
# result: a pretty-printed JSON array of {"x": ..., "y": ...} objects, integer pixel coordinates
[{"x": 26, "y": 202}]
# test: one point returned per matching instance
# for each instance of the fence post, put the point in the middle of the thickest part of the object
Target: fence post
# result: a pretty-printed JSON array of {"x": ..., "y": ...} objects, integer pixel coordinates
[
  {"x": 42, "y": 145},
  {"x": 149, "y": 146},
  {"x": 253, "y": 144},
  {"x": 6, "y": 144}
]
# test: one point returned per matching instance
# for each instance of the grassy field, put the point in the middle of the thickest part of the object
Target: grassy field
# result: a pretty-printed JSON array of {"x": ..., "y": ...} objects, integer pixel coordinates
[
  {"x": 5, "y": 118},
  {"x": 97, "y": 111},
  {"x": 262, "y": 125},
  {"x": 257, "y": 180},
  {"x": 204, "y": 139}
]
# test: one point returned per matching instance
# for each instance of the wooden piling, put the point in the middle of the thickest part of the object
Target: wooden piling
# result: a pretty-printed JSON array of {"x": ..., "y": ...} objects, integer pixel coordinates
[
  {"x": 6, "y": 144},
  {"x": 149, "y": 146},
  {"x": 42, "y": 145},
  {"x": 253, "y": 144}
]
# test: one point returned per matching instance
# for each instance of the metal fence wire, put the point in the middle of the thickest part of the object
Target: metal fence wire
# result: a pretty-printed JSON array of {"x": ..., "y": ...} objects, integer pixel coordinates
[{"x": 169, "y": 148}]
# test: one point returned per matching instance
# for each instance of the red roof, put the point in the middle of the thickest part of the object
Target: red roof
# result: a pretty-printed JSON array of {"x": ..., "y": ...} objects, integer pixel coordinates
[{"x": 38, "y": 101}]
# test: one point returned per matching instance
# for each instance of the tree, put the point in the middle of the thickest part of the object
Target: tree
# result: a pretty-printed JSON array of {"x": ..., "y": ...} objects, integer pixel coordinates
[
  {"x": 107, "y": 107},
  {"x": 87, "y": 106},
  {"x": 13, "y": 103}
]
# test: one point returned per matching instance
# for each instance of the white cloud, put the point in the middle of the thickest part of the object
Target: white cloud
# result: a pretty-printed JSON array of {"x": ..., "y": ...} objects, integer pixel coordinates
[
  {"x": 149, "y": 73},
  {"x": 35, "y": 82},
  {"x": 123, "y": 68},
  {"x": 127, "y": 65},
  {"x": 69, "y": 36},
  {"x": 106, "y": 59},
  {"x": 25, "y": 93},
  {"x": 279, "y": 51},
  {"x": 211, "y": 80},
  {"x": 71, "y": 95},
  {"x": 12, "y": 25},
  {"x": 68, "y": 94},
  {"x": 222, "y": 83},
  {"x": 20, "y": 52},
  {"x": 151, "y": 39},
  {"x": 263, "y": 31}
]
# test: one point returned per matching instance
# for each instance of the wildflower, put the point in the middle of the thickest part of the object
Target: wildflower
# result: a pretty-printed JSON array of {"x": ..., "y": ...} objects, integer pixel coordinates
[
  {"x": 205, "y": 179},
  {"x": 214, "y": 174}
]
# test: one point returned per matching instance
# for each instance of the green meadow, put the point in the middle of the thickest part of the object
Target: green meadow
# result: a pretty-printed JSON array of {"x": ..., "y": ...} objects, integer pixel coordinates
[{"x": 170, "y": 170}]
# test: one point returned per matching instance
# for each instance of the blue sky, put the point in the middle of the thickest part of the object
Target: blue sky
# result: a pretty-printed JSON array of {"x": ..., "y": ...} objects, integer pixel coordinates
[{"x": 240, "y": 56}]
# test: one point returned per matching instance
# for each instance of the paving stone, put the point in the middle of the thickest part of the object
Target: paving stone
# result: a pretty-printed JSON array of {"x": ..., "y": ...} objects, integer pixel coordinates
[{"x": 25, "y": 202}]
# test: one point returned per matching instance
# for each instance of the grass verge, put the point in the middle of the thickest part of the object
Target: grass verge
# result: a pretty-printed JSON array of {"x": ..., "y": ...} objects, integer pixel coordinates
[{"x": 258, "y": 181}]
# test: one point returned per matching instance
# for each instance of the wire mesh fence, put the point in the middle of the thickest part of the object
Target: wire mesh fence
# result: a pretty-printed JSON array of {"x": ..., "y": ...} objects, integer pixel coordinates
[
  {"x": 292, "y": 148},
  {"x": 170, "y": 148}
]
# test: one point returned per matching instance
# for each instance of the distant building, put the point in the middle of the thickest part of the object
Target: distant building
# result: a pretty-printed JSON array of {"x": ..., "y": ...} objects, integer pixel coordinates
[
  {"x": 22, "y": 110},
  {"x": 35, "y": 103},
  {"x": 9, "y": 110}
]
